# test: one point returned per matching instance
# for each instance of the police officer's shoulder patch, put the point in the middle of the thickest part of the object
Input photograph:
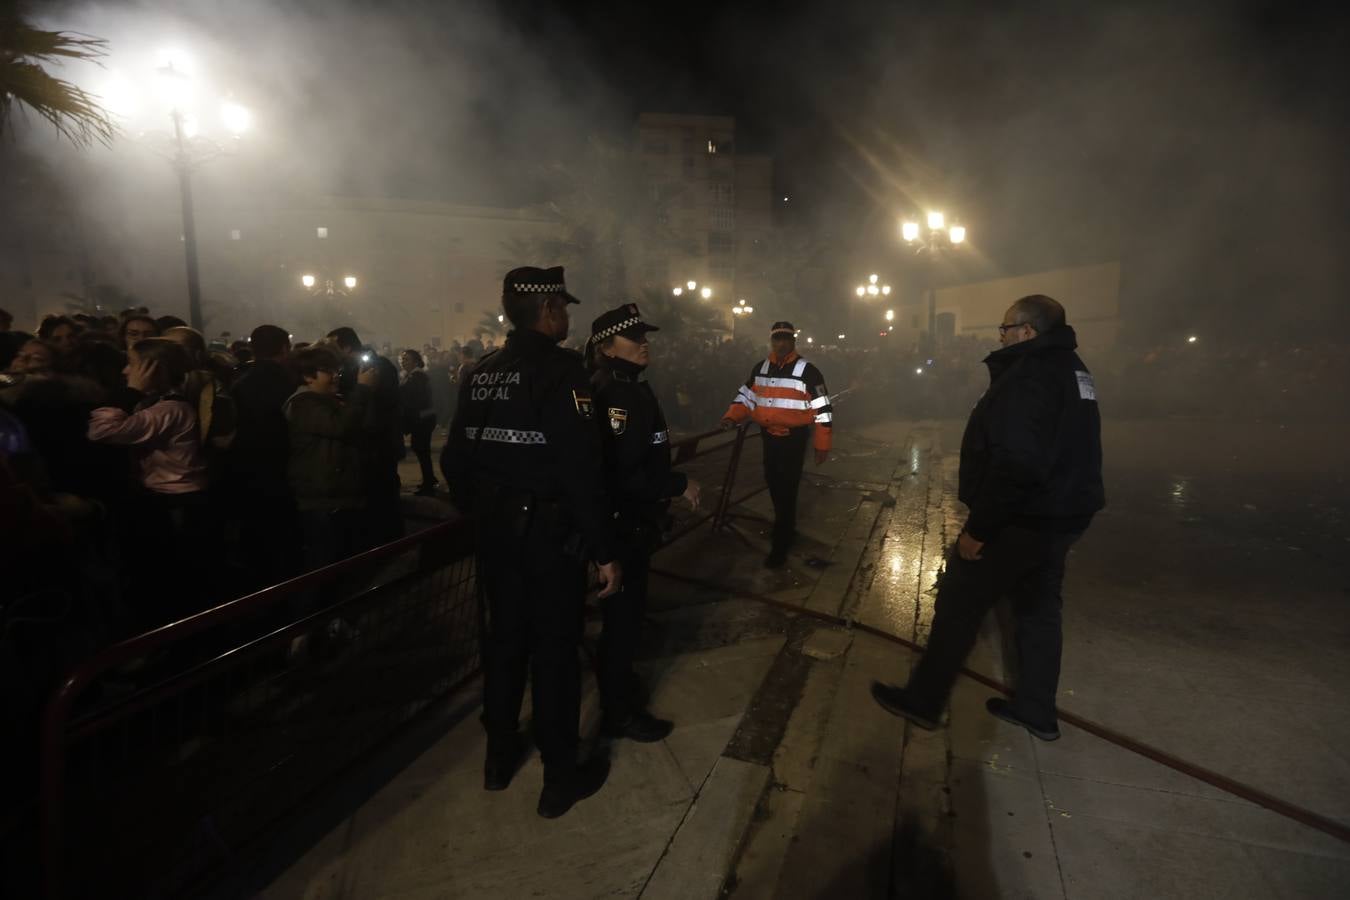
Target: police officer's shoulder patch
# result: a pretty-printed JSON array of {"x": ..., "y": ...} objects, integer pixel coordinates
[
  {"x": 582, "y": 400},
  {"x": 618, "y": 419}
]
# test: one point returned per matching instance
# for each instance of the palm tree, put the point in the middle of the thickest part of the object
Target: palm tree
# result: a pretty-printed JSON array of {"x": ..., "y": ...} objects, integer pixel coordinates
[
  {"x": 73, "y": 112},
  {"x": 489, "y": 325}
]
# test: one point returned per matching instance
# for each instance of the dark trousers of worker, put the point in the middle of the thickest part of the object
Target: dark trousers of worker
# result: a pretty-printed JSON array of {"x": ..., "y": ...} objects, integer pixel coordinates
[
  {"x": 420, "y": 430},
  {"x": 534, "y": 596},
  {"x": 783, "y": 460},
  {"x": 1028, "y": 567},
  {"x": 623, "y": 614}
]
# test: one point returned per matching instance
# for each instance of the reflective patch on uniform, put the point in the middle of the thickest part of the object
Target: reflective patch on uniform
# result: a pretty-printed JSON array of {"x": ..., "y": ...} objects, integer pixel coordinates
[
  {"x": 660, "y": 437},
  {"x": 1087, "y": 388},
  {"x": 583, "y": 405},
  {"x": 506, "y": 435},
  {"x": 618, "y": 419}
]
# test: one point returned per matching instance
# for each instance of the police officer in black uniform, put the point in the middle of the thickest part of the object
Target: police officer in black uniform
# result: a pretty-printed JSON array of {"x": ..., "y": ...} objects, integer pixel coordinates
[
  {"x": 641, "y": 485},
  {"x": 524, "y": 458}
]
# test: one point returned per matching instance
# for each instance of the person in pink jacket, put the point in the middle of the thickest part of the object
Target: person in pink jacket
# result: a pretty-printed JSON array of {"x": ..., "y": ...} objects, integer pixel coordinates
[{"x": 171, "y": 516}]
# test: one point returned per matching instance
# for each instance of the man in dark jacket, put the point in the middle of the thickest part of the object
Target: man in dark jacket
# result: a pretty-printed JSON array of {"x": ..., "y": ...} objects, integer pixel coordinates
[
  {"x": 258, "y": 460},
  {"x": 1031, "y": 475}
]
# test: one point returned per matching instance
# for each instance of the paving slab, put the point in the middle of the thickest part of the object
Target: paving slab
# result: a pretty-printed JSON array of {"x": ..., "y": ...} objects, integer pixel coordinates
[{"x": 702, "y": 850}]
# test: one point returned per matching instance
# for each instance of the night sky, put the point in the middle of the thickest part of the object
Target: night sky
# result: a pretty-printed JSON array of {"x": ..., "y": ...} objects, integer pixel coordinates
[{"x": 1202, "y": 144}]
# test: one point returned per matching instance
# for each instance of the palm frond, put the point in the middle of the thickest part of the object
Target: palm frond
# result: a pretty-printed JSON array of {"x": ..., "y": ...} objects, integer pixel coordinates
[{"x": 73, "y": 112}]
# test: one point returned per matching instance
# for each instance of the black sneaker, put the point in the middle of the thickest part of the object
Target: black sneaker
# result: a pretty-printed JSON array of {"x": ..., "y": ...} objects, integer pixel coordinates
[
  {"x": 641, "y": 727},
  {"x": 558, "y": 797},
  {"x": 1002, "y": 709},
  {"x": 502, "y": 764},
  {"x": 895, "y": 701}
]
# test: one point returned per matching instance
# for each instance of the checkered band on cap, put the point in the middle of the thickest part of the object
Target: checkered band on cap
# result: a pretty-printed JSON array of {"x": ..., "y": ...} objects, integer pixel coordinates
[
  {"x": 615, "y": 329},
  {"x": 538, "y": 288}
]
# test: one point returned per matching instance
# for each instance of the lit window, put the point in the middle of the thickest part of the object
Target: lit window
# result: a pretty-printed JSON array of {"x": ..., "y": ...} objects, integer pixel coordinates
[
  {"x": 235, "y": 234},
  {"x": 321, "y": 231}
]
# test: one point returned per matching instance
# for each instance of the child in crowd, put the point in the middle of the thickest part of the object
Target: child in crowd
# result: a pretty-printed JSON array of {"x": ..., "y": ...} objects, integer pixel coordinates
[{"x": 171, "y": 515}]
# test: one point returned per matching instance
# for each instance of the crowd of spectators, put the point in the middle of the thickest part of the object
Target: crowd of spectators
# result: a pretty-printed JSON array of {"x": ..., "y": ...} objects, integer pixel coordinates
[{"x": 147, "y": 473}]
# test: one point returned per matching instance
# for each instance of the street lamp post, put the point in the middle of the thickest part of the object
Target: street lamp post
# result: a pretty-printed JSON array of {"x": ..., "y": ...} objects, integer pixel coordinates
[
  {"x": 941, "y": 236},
  {"x": 182, "y": 164},
  {"x": 738, "y": 312},
  {"x": 310, "y": 283},
  {"x": 691, "y": 287},
  {"x": 176, "y": 86},
  {"x": 872, "y": 287}
]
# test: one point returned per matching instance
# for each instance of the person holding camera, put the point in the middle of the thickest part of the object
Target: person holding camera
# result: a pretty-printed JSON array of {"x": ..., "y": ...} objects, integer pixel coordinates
[
  {"x": 641, "y": 485},
  {"x": 382, "y": 442}
]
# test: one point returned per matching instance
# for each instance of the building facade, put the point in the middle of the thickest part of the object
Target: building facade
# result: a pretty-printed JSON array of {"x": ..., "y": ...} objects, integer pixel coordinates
[
  {"x": 716, "y": 201},
  {"x": 423, "y": 272}
]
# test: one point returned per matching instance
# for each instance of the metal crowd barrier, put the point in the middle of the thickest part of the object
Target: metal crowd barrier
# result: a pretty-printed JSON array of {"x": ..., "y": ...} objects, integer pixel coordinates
[
  {"x": 162, "y": 756},
  {"x": 163, "y": 753}
]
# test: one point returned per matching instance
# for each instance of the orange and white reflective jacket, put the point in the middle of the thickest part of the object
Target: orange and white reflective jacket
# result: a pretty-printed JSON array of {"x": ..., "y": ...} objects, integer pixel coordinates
[{"x": 782, "y": 395}]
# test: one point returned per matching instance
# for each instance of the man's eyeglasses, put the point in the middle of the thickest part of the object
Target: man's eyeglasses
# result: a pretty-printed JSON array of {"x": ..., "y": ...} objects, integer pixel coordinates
[{"x": 1004, "y": 329}]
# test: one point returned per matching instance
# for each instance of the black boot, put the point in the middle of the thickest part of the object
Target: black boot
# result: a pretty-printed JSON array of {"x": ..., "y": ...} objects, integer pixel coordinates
[
  {"x": 560, "y": 793},
  {"x": 642, "y": 727},
  {"x": 503, "y": 761}
]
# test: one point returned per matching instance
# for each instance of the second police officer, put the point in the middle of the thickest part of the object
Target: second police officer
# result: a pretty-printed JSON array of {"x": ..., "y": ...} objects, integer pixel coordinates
[
  {"x": 524, "y": 459},
  {"x": 641, "y": 486}
]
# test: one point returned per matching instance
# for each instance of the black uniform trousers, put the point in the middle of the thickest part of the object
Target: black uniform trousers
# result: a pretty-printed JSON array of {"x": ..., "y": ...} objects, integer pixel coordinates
[
  {"x": 783, "y": 460},
  {"x": 623, "y": 615},
  {"x": 1026, "y": 565},
  {"x": 534, "y": 595}
]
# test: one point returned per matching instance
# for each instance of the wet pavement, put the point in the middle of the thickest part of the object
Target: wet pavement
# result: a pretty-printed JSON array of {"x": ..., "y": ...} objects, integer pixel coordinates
[{"x": 1207, "y": 613}]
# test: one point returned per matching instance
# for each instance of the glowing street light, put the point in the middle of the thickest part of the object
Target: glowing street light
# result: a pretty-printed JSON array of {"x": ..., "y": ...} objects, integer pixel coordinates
[
  {"x": 678, "y": 291},
  {"x": 862, "y": 291},
  {"x": 691, "y": 284},
  {"x": 890, "y": 315},
  {"x": 236, "y": 118},
  {"x": 941, "y": 236},
  {"x": 706, "y": 292},
  {"x": 810, "y": 340},
  {"x": 871, "y": 279},
  {"x": 326, "y": 286},
  {"x": 1192, "y": 339},
  {"x": 886, "y": 289},
  {"x": 177, "y": 86},
  {"x": 842, "y": 336}
]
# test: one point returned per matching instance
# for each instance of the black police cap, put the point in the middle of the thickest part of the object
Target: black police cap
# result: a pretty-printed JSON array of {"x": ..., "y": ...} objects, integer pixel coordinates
[
  {"x": 532, "y": 280},
  {"x": 623, "y": 320}
]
